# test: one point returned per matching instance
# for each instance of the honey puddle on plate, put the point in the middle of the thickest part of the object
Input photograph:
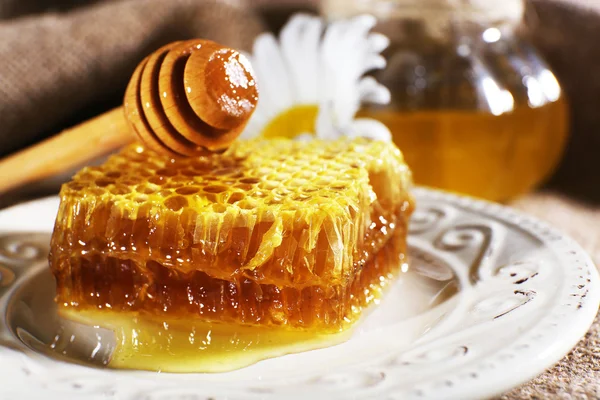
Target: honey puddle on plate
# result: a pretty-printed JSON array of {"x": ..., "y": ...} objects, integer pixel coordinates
[
  {"x": 126, "y": 341},
  {"x": 196, "y": 346},
  {"x": 190, "y": 344}
]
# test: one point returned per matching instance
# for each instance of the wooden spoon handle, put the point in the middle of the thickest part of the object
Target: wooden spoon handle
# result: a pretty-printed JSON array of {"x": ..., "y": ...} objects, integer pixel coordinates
[
  {"x": 185, "y": 99},
  {"x": 69, "y": 149}
]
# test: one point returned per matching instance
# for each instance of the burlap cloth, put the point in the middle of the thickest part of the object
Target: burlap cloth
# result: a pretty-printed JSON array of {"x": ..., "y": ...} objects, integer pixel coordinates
[{"x": 64, "y": 61}]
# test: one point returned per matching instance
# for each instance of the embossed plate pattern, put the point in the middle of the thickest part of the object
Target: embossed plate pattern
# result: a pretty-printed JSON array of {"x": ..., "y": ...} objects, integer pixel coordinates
[{"x": 526, "y": 295}]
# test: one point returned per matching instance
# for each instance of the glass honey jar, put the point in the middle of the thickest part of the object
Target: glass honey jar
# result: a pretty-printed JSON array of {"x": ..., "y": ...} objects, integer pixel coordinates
[{"x": 474, "y": 107}]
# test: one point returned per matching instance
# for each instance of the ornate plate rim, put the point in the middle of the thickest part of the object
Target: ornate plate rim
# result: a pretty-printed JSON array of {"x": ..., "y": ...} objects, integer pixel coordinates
[{"x": 536, "y": 349}]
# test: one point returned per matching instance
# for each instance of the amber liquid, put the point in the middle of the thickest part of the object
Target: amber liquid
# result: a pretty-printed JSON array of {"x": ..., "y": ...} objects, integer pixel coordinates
[
  {"x": 478, "y": 153},
  {"x": 186, "y": 336},
  {"x": 161, "y": 251},
  {"x": 184, "y": 345}
]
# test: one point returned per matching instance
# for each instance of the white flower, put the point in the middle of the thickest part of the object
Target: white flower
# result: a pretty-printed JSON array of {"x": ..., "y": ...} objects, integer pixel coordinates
[{"x": 312, "y": 81}]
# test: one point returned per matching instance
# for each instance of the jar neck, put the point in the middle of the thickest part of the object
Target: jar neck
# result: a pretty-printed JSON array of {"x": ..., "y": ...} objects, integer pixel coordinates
[{"x": 438, "y": 17}]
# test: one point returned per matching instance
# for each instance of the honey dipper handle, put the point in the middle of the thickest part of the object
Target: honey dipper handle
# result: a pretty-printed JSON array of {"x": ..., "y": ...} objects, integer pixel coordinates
[{"x": 68, "y": 149}]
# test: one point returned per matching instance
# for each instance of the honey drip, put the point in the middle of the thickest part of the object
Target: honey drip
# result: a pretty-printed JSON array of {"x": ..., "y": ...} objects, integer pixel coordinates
[
  {"x": 161, "y": 342},
  {"x": 195, "y": 346},
  {"x": 105, "y": 282}
]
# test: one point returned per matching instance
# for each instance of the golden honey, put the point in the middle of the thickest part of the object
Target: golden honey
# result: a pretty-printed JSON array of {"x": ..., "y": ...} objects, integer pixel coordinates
[
  {"x": 473, "y": 104},
  {"x": 292, "y": 238},
  {"x": 184, "y": 345},
  {"x": 478, "y": 153}
]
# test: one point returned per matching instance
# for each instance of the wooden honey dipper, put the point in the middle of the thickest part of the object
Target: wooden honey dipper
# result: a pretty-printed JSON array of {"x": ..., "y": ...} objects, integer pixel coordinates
[{"x": 188, "y": 98}]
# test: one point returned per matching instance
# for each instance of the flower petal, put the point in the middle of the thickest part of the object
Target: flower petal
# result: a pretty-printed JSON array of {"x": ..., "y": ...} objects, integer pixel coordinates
[
  {"x": 300, "y": 40},
  {"x": 325, "y": 126},
  {"x": 271, "y": 74},
  {"x": 370, "y": 128},
  {"x": 377, "y": 42},
  {"x": 372, "y": 91}
]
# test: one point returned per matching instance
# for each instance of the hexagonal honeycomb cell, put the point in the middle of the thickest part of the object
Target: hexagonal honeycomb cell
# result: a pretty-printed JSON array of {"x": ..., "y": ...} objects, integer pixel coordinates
[{"x": 271, "y": 232}]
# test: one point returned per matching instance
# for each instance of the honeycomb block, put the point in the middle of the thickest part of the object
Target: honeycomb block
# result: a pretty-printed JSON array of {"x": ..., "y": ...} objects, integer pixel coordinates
[{"x": 273, "y": 232}]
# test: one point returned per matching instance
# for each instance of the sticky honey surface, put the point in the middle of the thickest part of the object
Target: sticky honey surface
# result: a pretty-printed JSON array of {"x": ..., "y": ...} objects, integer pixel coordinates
[
  {"x": 196, "y": 346},
  {"x": 161, "y": 342},
  {"x": 284, "y": 240}
]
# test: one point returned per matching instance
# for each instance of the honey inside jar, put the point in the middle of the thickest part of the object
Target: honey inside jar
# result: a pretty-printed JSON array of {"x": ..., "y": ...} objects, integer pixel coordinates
[
  {"x": 478, "y": 153},
  {"x": 474, "y": 106}
]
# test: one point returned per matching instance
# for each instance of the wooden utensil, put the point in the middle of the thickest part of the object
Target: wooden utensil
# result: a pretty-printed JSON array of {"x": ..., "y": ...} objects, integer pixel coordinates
[{"x": 188, "y": 98}]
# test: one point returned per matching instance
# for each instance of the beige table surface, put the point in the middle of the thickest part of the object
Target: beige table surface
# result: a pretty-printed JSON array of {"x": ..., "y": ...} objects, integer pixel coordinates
[{"x": 577, "y": 376}]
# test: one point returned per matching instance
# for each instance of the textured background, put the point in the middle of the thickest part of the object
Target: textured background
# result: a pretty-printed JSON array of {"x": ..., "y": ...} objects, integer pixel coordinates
[{"x": 65, "y": 61}]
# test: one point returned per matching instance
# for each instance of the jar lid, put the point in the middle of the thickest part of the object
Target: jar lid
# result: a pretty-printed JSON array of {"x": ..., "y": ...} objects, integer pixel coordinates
[{"x": 435, "y": 14}]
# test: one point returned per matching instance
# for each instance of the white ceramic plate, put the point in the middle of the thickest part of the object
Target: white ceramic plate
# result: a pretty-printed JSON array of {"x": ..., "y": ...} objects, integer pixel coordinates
[{"x": 526, "y": 294}]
